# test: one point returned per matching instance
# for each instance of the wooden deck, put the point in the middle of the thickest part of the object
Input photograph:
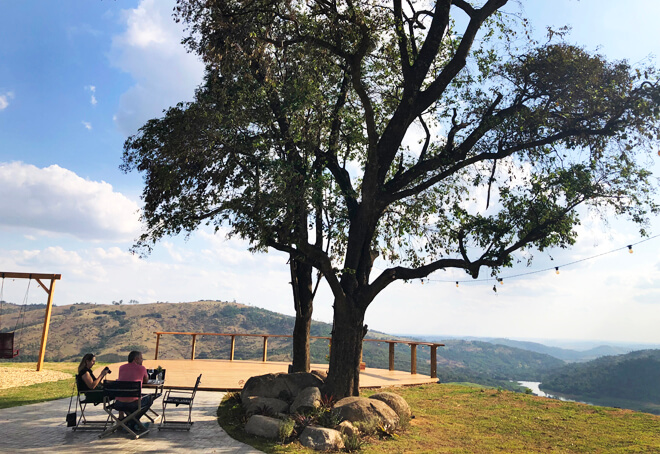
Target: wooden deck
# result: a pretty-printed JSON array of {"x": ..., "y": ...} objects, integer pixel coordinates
[{"x": 225, "y": 375}]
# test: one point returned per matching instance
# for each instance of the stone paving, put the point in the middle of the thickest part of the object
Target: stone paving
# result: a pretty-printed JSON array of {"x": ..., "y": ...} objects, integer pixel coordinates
[{"x": 42, "y": 428}]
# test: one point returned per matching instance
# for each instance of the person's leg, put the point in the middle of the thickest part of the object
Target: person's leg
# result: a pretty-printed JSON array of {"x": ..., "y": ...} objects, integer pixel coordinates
[
  {"x": 147, "y": 400},
  {"x": 125, "y": 409}
]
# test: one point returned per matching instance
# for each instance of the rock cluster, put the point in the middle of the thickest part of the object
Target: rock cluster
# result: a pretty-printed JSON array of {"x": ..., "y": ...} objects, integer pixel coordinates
[{"x": 283, "y": 405}]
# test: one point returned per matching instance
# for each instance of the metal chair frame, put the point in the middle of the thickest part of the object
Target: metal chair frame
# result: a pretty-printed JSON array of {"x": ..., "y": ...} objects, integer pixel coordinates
[
  {"x": 114, "y": 389},
  {"x": 176, "y": 397},
  {"x": 94, "y": 397}
]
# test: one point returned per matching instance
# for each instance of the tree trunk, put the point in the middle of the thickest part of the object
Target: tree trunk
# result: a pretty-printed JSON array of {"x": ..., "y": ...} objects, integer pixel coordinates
[
  {"x": 346, "y": 350},
  {"x": 303, "y": 298}
]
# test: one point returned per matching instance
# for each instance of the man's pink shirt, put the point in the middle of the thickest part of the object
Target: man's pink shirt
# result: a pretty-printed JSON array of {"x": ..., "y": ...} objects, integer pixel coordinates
[{"x": 131, "y": 372}]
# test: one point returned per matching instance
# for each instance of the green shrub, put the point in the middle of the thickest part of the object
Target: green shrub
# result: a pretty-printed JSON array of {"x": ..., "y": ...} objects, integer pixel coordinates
[
  {"x": 286, "y": 429},
  {"x": 352, "y": 443}
]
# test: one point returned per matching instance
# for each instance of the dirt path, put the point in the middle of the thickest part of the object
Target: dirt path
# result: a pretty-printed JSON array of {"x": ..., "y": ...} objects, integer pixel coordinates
[{"x": 11, "y": 377}]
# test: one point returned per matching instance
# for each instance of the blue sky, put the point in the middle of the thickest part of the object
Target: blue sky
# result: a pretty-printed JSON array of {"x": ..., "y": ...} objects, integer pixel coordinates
[{"x": 76, "y": 78}]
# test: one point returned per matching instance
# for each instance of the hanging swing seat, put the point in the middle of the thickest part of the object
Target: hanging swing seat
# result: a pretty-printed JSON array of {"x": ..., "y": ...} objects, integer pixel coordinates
[{"x": 7, "y": 350}]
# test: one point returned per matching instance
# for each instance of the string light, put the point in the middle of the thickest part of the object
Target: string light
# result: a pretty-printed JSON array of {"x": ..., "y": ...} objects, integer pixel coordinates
[{"x": 501, "y": 280}]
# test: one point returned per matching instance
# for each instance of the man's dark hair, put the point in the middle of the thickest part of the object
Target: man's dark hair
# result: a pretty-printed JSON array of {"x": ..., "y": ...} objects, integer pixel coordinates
[{"x": 132, "y": 355}]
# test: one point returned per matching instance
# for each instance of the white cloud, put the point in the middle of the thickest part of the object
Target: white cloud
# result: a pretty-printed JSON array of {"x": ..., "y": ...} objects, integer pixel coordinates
[
  {"x": 105, "y": 274},
  {"x": 92, "y": 89},
  {"x": 4, "y": 99},
  {"x": 150, "y": 51},
  {"x": 56, "y": 200},
  {"x": 87, "y": 125}
]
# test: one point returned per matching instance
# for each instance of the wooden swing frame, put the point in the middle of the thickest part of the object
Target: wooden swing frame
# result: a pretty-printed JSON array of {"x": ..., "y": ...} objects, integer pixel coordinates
[{"x": 49, "y": 306}]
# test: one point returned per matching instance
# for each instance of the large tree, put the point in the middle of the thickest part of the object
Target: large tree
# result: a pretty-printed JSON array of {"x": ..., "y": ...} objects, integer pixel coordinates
[{"x": 342, "y": 131}]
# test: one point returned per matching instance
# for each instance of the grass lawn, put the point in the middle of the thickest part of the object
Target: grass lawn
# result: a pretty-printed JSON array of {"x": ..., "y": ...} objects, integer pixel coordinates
[
  {"x": 452, "y": 418},
  {"x": 41, "y": 392}
]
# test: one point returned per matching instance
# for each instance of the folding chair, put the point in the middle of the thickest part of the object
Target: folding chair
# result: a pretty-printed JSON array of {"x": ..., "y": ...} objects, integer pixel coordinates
[
  {"x": 182, "y": 398},
  {"x": 94, "y": 397},
  {"x": 114, "y": 389}
]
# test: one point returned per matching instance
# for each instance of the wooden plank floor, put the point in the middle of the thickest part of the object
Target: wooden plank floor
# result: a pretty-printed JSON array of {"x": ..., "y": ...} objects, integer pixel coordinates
[{"x": 225, "y": 375}]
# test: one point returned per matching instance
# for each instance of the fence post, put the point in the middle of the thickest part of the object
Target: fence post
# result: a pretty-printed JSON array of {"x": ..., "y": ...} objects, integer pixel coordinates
[
  {"x": 413, "y": 359},
  {"x": 434, "y": 361},
  {"x": 157, "y": 342},
  {"x": 265, "y": 348},
  {"x": 391, "y": 355},
  {"x": 233, "y": 347},
  {"x": 194, "y": 340}
]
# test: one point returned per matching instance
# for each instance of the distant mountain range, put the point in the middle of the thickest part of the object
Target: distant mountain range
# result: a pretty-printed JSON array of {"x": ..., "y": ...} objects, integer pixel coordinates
[{"x": 563, "y": 353}]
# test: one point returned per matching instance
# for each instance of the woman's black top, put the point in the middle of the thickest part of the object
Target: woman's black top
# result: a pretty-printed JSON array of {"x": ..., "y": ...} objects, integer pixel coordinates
[{"x": 82, "y": 386}]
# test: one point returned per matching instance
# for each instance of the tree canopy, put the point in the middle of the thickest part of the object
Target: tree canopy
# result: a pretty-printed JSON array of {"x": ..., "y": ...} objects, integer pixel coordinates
[{"x": 425, "y": 133}]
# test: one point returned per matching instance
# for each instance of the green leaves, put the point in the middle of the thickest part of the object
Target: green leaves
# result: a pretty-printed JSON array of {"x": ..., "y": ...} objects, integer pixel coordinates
[{"x": 336, "y": 130}]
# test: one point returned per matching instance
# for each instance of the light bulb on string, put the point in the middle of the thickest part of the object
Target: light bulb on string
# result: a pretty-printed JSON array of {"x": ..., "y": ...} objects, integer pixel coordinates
[
  {"x": 630, "y": 248},
  {"x": 501, "y": 281},
  {"x": 456, "y": 284},
  {"x": 556, "y": 270}
]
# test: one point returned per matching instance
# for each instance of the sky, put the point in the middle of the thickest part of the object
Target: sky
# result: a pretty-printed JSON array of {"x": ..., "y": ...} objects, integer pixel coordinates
[{"x": 78, "y": 77}]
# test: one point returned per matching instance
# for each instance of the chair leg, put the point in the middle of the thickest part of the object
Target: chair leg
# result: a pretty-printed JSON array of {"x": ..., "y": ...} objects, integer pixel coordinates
[
  {"x": 83, "y": 423},
  {"x": 122, "y": 423}
]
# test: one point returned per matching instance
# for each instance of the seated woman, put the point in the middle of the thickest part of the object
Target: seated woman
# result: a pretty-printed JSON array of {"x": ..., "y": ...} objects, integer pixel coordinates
[{"x": 86, "y": 380}]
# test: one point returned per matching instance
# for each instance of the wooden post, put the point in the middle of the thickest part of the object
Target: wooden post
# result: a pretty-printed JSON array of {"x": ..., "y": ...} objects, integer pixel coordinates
[
  {"x": 391, "y": 355},
  {"x": 434, "y": 361},
  {"x": 194, "y": 341},
  {"x": 157, "y": 342},
  {"x": 44, "y": 334},
  {"x": 233, "y": 347},
  {"x": 265, "y": 348},
  {"x": 413, "y": 359}
]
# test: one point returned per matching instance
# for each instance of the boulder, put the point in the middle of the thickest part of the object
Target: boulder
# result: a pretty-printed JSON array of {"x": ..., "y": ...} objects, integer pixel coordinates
[
  {"x": 253, "y": 405},
  {"x": 362, "y": 410},
  {"x": 322, "y": 374},
  {"x": 281, "y": 386},
  {"x": 396, "y": 403},
  {"x": 348, "y": 429},
  {"x": 264, "y": 426},
  {"x": 307, "y": 400},
  {"x": 321, "y": 439}
]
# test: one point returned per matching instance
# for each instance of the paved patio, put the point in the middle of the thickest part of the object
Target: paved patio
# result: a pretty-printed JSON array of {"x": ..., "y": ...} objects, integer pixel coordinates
[{"x": 42, "y": 428}]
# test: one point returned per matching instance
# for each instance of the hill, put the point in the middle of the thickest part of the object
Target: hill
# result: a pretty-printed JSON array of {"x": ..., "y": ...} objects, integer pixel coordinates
[
  {"x": 490, "y": 364},
  {"x": 629, "y": 381},
  {"x": 564, "y": 354},
  {"x": 111, "y": 331}
]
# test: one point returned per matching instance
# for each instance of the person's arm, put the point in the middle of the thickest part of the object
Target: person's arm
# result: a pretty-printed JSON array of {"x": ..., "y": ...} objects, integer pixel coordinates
[
  {"x": 92, "y": 384},
  {"x": 145, "y": 377}
]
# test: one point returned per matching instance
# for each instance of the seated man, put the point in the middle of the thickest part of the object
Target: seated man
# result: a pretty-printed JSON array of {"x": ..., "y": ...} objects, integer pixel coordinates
[{"x": 133, "y": 371}]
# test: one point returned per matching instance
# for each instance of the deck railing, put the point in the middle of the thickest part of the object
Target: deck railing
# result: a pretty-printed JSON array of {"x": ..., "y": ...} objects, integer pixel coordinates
[{"x": 412, "y": 344}]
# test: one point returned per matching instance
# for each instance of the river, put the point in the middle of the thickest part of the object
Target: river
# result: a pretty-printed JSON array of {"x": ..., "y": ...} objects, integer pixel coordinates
[{"x": 534, "y": 386}]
